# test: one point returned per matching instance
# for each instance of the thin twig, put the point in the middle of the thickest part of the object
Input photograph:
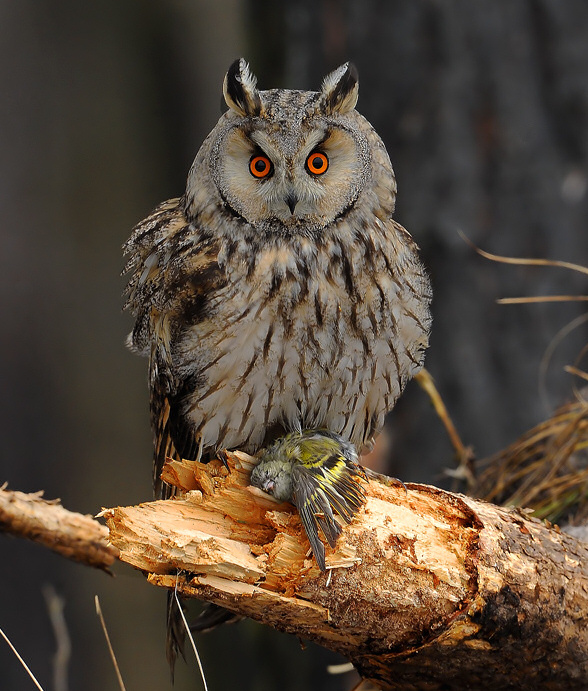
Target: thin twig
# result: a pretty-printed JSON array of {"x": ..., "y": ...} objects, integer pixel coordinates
[
  {"x": 110, "y": 649},
  {"x": 542, "y": 298},
  {"x": 194, "y": 648},
  {"x": 464, "y": 454},
  {"x": 523, "y": 261},
  {"x": 22, "y": 662},
  {"x": 576, "y": 372},
  {"x": 548, "y": 354}
]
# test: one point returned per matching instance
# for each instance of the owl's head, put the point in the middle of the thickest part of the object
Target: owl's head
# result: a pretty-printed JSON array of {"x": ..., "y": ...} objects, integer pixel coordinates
[{"x": 292, "y": 161}]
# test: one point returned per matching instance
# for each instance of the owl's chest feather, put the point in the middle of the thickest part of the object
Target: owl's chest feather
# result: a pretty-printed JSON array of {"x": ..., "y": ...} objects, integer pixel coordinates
[{"x": 306, "y": 342}]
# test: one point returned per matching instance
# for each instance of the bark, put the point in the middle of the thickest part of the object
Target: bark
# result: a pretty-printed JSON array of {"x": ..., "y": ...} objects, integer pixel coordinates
[
  {"x": 425, "y": 589},
  {"x": 73, "y": 535}
]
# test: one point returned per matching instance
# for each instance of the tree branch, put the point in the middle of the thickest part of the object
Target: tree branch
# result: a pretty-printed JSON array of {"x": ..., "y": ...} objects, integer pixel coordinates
[
  {"x": 425, "y": 589},
  {"x": 73, "y": 535}
]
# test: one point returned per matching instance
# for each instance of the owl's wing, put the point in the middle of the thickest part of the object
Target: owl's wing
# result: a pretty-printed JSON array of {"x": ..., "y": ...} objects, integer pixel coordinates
[
  {"x": 173, "y": 270},
  {"x": 172, "y": 436},
  {"x": 322, "y": 489}
]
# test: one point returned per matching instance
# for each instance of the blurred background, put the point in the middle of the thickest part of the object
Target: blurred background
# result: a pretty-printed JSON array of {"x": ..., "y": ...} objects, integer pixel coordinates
[{"x": 484, "y": 110}]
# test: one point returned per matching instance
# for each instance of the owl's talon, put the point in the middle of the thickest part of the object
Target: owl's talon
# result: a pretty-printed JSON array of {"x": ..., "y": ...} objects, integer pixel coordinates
[{"x": 221, "y": 454}]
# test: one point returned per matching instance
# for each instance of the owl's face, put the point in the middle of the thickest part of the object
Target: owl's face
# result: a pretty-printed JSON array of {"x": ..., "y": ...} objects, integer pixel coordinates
[
  {"x": 306, "y": 175},
  {"x": 289, "y": 161}
]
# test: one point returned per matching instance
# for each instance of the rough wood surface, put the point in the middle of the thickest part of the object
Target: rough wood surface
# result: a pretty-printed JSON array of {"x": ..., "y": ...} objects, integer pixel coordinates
[
  {"x": 73, "y": 535},
  {"x": 425, "y": 589}
]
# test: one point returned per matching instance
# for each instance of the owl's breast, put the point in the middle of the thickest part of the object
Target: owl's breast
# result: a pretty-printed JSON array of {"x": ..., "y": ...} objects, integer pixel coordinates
[{"x": 306, "y": 339}]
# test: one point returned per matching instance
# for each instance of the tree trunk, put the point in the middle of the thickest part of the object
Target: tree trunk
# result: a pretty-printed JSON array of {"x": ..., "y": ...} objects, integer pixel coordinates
[{"x": 425, "y": 589}]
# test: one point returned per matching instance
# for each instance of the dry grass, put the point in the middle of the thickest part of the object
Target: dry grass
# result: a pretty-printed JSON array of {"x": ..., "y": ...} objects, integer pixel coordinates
[{"x": 546, "y": 469}]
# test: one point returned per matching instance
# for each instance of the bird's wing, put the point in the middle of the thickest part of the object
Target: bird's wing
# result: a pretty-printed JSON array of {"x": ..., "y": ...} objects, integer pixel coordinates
[
  {"x": 321, "y": 489},
  {"x": 172, "y": 437},
  {"x": 173, "y": 269}
]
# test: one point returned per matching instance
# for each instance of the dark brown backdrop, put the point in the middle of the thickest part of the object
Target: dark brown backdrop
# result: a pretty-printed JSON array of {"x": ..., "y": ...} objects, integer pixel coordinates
[{"x": 484, "y": 109}]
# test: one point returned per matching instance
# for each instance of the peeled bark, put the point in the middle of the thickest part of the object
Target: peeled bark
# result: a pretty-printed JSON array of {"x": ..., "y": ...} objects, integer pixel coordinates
[{"x": 425, "y": 589}]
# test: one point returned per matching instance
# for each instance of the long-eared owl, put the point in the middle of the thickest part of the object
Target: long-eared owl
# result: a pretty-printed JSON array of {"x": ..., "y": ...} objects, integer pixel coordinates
[{"x": 277, "y": 293}]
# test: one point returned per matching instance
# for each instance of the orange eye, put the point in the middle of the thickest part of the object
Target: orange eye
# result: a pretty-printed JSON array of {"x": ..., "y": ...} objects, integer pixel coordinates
[
  {"x": 317, "y": 163},
  {"x": 260, "y": 166}
]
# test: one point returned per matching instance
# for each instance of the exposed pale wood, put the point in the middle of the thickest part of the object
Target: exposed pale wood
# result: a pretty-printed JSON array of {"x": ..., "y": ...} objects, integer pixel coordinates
[
  {"x": 73, "y": 535},
  {"x": 427, "y": 589}
]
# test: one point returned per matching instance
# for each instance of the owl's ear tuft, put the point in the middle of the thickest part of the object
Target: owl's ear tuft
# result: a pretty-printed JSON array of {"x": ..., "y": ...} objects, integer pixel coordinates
[
  {"x": 240, "y": 91},
  {"x": 340, "y": 89}
]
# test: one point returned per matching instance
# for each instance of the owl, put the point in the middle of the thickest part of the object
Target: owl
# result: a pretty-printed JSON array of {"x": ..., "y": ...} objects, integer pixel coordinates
[{"x": 278, "y": 293}]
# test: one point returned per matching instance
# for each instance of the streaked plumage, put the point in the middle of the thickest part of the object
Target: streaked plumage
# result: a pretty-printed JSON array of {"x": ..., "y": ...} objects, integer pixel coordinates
[
  {"x": 257, "y": 321},
  {"x": 288, "y": 302}
]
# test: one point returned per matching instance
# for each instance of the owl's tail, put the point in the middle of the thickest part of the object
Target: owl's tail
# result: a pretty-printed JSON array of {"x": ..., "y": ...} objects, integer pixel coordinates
[
  {"x": 209, "y": 618},
  {"x": 175, "y": 633}
]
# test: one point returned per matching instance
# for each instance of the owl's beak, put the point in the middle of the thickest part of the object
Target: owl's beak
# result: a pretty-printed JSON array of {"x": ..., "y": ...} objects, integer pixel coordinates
[{"x": 291, "y": 200}]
